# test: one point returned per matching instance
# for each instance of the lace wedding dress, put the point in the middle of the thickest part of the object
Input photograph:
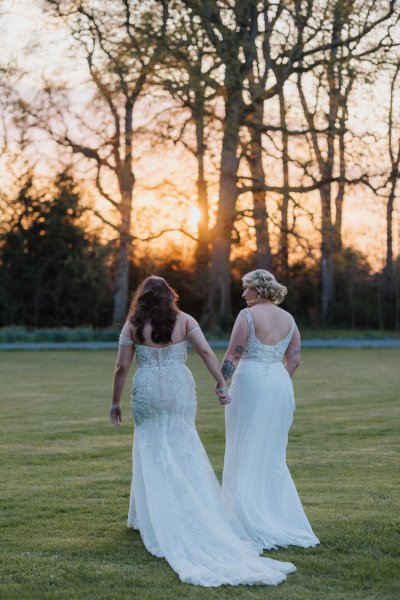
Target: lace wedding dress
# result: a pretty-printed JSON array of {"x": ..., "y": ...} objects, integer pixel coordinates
[
  {"x": 256, "y": 485},
  {"x": 175, "y": 497}
]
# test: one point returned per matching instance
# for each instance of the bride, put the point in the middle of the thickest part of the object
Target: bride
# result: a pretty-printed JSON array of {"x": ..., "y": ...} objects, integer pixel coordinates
[
  {"x": 175, "y": 497},
  {"x": 256, "y": 484}
]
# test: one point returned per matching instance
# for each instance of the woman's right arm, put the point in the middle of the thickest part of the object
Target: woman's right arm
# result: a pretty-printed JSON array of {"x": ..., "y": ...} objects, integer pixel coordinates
[
  {"x": 203, "y": 349},
  {"x": 126, "y": 351}
]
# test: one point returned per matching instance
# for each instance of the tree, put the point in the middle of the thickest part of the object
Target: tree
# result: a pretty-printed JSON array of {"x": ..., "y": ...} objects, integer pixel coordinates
[
  {"x": 257, "y": 85},
  {"x": 189, "y": 65},
  {"x": 236, "y": 32},
  {"x": 230, "y": 31},
  {"x": 51, "y": 272},
  {"x": 350, "y": 24},
  {"x": 254, "y": 84},
  {"x": 394, "y": 174},
  {"x": 121, "y": 43}
]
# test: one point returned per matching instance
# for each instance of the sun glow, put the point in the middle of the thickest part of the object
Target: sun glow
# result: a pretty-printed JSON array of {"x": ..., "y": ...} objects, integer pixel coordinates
[{"x": 194, "y": 217}]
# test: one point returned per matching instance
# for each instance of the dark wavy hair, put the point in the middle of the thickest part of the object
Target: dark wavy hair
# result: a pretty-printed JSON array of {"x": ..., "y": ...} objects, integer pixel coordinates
[{"x": 154, "y": 302}]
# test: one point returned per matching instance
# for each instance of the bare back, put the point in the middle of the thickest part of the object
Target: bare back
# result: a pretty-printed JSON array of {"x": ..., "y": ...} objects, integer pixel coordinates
[
  {"x": 183, "y": 325},
  {"x": 271, "y": 323}
]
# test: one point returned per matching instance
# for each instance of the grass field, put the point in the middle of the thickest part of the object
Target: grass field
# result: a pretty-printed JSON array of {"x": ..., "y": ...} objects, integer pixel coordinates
[{"x": 65, "y": 477}]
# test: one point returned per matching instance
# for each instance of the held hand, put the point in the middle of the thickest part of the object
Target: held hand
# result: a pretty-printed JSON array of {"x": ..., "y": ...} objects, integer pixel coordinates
[
  {"x": 224, "y": 399},
  {"x": 222, "y": 394},
  {"x": 115, "y": 415}
]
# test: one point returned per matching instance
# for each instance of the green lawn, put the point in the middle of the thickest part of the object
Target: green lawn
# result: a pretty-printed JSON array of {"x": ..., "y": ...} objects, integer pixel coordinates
[{"x": 65, "y": 477}]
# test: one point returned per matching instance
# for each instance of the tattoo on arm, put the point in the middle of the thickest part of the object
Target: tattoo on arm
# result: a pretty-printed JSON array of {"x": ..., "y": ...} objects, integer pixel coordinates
[
  {"x": 239, "y": 349},
  {"x": 296, "y": 352},
  {"x": 228, "y": 369}
]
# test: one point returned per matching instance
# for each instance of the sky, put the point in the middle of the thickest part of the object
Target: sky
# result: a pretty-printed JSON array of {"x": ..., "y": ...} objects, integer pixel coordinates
[{"x": 27, "y": 36}]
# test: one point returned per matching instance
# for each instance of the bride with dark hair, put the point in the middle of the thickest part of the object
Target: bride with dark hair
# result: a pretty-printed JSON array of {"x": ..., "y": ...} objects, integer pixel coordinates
[{"x": 175, "y": 498}]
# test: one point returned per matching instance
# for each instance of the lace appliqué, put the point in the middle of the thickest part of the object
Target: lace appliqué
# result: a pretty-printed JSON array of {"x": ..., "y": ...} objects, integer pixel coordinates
[
  {"x": 162, "y": 384},
  {"x": 256, "y": 350}
]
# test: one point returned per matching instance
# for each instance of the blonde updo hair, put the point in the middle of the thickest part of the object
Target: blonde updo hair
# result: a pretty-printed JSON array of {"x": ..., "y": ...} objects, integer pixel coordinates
[{"x": 266, "y": 285}]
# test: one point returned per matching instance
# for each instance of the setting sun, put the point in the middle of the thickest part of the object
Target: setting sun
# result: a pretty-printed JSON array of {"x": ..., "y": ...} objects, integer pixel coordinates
[{"x": 194, "y": 216}]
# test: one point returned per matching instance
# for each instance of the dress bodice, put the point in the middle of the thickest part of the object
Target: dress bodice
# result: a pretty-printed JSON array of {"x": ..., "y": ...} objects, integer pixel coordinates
[
  {"x": 149, "y": 357},
  {"x": 256, "y": 350}
]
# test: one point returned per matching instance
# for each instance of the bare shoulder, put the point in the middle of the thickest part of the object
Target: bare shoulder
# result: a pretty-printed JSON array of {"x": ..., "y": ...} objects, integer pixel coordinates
[
  {"x": 282, "y": 310},
  {"x": 128, "y": 330},
  {"x": 288, "y": 317},
  {"x": 186, "y": 321},
  {"x": 271, "y": 311},
  {"x": 268, "y": 306},
  {"x": 182, "y": 316},
  {"x": 241, "y": 317}
]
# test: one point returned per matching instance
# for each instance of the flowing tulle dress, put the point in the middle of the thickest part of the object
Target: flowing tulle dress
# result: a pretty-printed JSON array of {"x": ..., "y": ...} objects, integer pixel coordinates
[
  {"x": 256, "y": 485},
  {"x": 175, "y": 498}
]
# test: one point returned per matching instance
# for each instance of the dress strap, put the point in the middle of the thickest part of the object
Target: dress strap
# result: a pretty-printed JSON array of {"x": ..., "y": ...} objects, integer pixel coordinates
[
  {"x": 249, "y": 319},
  {"x": 125, "y": 341},
  {"x": 292, "y": 328},
  {"x": 193, "y": 329}
]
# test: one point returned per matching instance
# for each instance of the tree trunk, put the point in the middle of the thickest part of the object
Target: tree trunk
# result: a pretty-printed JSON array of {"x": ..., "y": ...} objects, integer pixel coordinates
[
  {"x": 328, "y": 227},
  {"x": 327, "y": 254},
  {"x": 260, "y": 215},
  {"x": 126, "y": 180},
  {"x": 341, "y": 185},
  {"x": 389, "y": 237},
  {"x": 397, "y": 298},
  {"x": 36, "y": 302},
  {"x": 121, "y": 282},
  {"x": 380, "y": 308},
  {"x": 338, "y": 219},
  {"x": 219, "y": 301},
  {"x": 351, "y": 289},
  {"x": 122, "y": 261},
  {"x": 283, "y": 238},
  {"x": 202, "y": 250},
  {"x": 202, "y": 255}
]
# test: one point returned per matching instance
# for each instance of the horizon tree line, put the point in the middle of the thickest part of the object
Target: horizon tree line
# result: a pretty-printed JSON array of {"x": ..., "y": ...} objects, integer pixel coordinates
[{"x": 252, "y": 84}]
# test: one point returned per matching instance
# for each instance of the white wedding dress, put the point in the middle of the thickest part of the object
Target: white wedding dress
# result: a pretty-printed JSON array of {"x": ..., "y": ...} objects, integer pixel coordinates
[
  {"x": 256, "y": 484},
  {"x": 175, "y": 497}
]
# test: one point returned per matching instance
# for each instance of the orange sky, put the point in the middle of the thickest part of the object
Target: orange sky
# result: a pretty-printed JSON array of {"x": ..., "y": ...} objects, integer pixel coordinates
[{"x": 364, "y": 217}]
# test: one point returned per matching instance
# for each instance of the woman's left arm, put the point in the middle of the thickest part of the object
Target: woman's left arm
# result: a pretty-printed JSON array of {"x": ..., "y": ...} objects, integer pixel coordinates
[
  {"x": 293, "y": 353},
  {"x": 236, "y": 347},
  {"x": 126, "y": 352}
]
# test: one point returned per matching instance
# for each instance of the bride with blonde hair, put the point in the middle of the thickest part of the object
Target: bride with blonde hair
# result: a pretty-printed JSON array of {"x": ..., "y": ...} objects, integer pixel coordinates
[{"x": 263, "y": 354}]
